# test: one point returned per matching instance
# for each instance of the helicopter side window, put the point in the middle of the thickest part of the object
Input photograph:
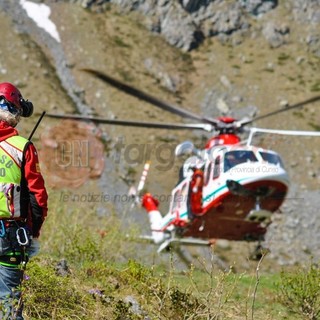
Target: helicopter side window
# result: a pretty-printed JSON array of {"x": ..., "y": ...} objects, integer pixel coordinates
[
  {"x": 216, "y": 170},
  {"x": 176, "y": 200},
  {"x": 233, "y": 158},
  {"x": 271, "y": 158},
  {"x": 184, "y": 192},
  {"x": 208, "y": 174}
]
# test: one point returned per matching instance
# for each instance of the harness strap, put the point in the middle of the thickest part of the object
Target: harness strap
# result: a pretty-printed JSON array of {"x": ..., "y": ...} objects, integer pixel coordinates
[
  {"x": 18, "y": 237},
  {"x": 13, "y": 259},
  {"x": 3, "y": 229}
]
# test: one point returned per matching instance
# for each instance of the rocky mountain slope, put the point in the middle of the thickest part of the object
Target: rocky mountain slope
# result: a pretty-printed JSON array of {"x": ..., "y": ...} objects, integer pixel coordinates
[{"x": 211, "y": 57}]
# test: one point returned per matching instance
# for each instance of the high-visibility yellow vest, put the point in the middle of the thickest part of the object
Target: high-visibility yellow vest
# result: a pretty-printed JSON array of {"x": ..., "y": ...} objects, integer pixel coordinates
[{"x": 11, "y": 156}]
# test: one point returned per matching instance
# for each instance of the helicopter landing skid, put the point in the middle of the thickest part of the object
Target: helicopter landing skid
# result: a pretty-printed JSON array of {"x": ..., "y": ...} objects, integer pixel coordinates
[
  {"x": 175, "y": 244},
  {"x": 189, "y": 259},
  {"x": 167, "y": 244}
]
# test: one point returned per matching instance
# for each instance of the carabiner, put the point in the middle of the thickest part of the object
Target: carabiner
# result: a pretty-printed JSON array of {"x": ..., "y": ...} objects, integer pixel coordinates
[{"x": 24, "y": 242}]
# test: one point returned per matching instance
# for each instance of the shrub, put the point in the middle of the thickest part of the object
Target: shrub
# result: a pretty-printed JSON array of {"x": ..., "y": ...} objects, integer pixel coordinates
[
  {"x": 300, "y": 292},
  {"x": 48, "y": 296}
]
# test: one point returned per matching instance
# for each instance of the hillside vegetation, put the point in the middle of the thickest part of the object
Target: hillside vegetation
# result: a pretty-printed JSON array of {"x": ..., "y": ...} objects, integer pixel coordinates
[{"x": 79, "y": 276}]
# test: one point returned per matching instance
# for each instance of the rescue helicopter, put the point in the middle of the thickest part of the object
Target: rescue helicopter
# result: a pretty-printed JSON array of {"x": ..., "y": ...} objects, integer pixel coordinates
[{"x": 228, "y": 190}]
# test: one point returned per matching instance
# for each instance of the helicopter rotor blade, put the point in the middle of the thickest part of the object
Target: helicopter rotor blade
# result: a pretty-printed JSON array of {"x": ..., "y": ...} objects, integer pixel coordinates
[
  {"x": 287, "y": 132},
  {"x": 158, "y": 125},
  {"x": 148, "y": 98},
  {"x": 282, "y": 132},
  {"x": 294, "y": 106}
]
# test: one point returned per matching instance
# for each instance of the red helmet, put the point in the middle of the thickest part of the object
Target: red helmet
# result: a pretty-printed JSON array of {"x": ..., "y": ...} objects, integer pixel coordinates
[
  {"x": 11, "y": 93},
  {"x": 13, "y": 102}
]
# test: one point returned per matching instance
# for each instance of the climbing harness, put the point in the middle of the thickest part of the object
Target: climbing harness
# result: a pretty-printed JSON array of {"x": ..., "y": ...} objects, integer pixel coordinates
[{"x": 14, "y": 240}]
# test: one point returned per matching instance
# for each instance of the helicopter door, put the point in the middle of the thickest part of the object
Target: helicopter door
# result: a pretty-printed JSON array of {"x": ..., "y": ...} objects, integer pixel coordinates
[
  {"x": 217, "y": 168},
  {"x": 212, "y": 181},
  {"x": 179, "y": 207}
]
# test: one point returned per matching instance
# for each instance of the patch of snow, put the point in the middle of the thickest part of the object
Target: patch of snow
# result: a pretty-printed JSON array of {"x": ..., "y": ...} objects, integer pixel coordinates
[{"x": 40, "y": 14}]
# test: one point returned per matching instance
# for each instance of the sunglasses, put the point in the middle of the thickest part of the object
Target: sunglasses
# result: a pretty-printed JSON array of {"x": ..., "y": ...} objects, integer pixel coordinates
[{"x": 8, "y": 106}]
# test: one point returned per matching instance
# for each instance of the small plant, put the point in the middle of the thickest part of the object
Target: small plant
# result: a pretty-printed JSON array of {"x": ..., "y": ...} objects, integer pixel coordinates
[
  {"x": 300, "y": 292},
  {"x": 120, "y": 42},
  {"x": 121, "y": 310},
  {"x": 48, "y": 296},
  {"x": 125, "y": 75},
  {"x": 316, "y": 86},
  {"x": 137, "y": 271},
  {"x": 282, "y": 58},
  {"x": 314, "y": 126}
]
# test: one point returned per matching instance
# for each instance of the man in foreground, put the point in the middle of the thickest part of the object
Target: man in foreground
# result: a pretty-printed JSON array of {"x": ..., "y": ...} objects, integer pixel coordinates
[{"x": 23, "y": 200}]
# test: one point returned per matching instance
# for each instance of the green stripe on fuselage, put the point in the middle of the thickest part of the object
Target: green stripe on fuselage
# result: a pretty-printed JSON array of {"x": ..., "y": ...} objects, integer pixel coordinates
[{"x": 218, "y": 190}]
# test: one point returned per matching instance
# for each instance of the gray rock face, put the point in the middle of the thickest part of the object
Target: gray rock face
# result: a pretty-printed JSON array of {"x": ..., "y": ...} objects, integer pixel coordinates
[
  {"x": 306, "y": 11},
  {"x": 188, "y": 37},
  {"x": 186, "y": 23},
  {"x": 258, "y": 7},
  {"x": 193, "y": 6},
  {"x": 224, "y": 19},
  {"x": 276, "y": 35},
  {"x": 287, "y": 237},
  {"x": 308, "y": 14}
]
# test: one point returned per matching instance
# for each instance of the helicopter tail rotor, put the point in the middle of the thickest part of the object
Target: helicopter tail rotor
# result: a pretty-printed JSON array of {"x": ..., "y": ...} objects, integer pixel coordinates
[{"x": 134, "y": 192}]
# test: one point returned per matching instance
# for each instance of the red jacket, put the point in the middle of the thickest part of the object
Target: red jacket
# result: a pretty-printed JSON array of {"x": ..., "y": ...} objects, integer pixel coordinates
[
  {"x": 33, "y": 192},
  {"x": 196, "y": 186}
]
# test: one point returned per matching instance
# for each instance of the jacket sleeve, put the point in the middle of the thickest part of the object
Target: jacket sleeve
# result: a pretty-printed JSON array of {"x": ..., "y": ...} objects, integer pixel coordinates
[{"x": 36, "y": 188}]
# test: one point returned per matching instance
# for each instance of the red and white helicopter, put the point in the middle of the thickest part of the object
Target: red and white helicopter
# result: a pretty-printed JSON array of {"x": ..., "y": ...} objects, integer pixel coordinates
[{"x": 229, "y": 190}]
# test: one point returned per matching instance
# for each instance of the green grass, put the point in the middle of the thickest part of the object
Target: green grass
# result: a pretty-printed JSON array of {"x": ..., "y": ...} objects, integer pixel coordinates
[
  {"x": 120, "y": 42},
  {"x": 314, "y": 126},
  {"x": 315, "y": 86},
  {"x": 102, "y": 279}
]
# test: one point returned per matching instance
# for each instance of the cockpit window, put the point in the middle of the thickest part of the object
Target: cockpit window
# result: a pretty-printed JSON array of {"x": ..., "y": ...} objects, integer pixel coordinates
[
  {"x": 271, "y": 158},
  {"x": 233, "y": 158}
]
